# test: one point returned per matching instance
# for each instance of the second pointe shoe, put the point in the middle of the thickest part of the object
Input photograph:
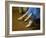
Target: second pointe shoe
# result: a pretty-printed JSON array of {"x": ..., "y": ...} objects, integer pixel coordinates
[{"x": 29, "y": 24}]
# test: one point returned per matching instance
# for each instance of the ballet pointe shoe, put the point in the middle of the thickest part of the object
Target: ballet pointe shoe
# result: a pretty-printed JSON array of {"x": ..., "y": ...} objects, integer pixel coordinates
[
  {"x": 28, "y": 17},
  {"x": 29, "y": 24},
  {"x": 20, "y": 18}
]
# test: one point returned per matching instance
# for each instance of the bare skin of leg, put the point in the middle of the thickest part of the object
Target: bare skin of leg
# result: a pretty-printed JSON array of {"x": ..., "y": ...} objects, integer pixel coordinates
[
  {"x": 29, "y": 24},
  {"x": 28, "y": 17},
  {"x": 20, "y": 18}
]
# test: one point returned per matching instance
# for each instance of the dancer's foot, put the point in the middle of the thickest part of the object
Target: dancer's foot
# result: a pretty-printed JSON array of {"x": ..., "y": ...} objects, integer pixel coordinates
[
  {"x": 20, "y": 18},
  {"x": 28, "y": 17},
  {"x": 30, "y": 22}
]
